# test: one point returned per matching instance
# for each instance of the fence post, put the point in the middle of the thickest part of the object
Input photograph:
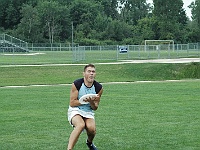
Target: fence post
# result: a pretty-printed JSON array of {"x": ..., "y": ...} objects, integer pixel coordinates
[
  {"x": 198, "y": 49},
  {"x": 117, "y": 51}
]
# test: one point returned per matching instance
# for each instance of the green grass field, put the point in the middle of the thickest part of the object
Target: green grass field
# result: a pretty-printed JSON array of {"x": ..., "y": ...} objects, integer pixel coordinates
[
  {"x": 61, "y": 57},
  {"x": 163, "y": 115},
  {"x": 159, "y": 115},
  {"x": 105, "y": 73}
]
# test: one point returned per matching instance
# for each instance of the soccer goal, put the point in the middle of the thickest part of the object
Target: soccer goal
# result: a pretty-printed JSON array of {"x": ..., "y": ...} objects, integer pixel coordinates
[{"x": 159, "y": 45}]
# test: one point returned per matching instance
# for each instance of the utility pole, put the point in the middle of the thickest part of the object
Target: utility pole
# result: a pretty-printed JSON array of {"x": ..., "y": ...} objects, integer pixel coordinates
[{"x": 72, "y": 35}]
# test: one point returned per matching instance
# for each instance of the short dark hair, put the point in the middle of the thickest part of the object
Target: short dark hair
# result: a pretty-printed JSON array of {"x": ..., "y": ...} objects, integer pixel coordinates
[{"x": 89, "y": 65}]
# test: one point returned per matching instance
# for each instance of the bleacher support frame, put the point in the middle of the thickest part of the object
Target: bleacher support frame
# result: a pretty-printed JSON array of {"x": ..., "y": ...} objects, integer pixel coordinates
[{"x": 10, "y": 42}]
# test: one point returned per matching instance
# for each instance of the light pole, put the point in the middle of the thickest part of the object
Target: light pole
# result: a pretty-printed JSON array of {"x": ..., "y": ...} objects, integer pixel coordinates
[{"x": 72, "y": 35}]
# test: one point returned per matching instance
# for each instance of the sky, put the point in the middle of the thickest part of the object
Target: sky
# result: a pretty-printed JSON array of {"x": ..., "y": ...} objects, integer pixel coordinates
[{"x": 186, "y": 3}]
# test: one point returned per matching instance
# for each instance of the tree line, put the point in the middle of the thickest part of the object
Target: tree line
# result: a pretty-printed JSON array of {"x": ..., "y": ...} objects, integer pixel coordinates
[{"x": 97, "y": 22}]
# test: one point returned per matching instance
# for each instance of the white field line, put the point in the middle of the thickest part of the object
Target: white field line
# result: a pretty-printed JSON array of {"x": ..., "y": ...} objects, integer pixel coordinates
[
  {"x": 48, "y": 85},
  {"x": 27, "y": 54},
  {"x": 43, "y": 65}
]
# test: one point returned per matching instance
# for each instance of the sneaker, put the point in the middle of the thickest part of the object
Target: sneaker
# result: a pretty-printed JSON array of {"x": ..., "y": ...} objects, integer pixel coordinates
[{"x": 91, "y": 146}]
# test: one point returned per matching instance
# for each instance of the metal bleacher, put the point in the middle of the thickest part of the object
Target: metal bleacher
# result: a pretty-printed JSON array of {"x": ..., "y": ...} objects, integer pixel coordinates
[{"x": 11, "y": 44}]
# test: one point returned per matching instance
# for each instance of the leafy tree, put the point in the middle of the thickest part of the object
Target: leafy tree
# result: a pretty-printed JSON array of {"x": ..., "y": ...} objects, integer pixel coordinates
[
  {"x": 144, "y": 29},
  {"x": 99, "y": 26},
  {"x": 117, "y": 31},
  {"x": 109, "y": 8},
  {"x": 195, "y": 30},
  {"x": 10, "y": 12},
  {"x": 84, "y": 12},
  {"x": 134, "y": 10},
  {"x": 47, "y": 20},
  {"x": 29, "y": 27},
  {"x": 196, "y": 11},
  {"x": 50, "y": 14},
  {"x": 171, "y": 18},
  {"x": 99, "y": 21}
]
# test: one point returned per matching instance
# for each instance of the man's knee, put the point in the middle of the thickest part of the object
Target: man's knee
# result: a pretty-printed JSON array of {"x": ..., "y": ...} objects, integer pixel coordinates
[
  {"x": 80, "y": 126},
  {"x": 91, "y": 130}
]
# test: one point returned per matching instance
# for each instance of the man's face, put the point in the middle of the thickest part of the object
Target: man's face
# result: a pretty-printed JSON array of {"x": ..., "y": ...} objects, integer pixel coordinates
[{"x": 89, "y": 74}]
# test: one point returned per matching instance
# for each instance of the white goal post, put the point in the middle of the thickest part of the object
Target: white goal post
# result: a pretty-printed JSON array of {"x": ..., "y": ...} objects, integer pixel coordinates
[{"x": 157, "y": 43}]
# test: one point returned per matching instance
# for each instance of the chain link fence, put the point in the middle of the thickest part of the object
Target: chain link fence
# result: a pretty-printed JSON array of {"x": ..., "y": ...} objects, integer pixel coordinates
[{"x": 45, "y": 53}]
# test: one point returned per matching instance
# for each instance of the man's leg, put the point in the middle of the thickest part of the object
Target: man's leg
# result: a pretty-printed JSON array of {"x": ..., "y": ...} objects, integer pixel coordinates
[
  {"x": 90, "y": 127},
  {"x": 79, "y": 125}
]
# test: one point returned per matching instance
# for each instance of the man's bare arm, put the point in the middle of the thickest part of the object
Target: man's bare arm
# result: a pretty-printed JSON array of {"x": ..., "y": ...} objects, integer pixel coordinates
[{"x": 74, "y": 97}]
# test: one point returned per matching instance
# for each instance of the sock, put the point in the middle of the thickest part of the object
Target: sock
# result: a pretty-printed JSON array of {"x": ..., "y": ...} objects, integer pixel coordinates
[{"x": 89, "y": 142}]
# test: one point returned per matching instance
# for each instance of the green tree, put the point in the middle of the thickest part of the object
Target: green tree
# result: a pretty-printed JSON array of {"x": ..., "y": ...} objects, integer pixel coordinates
[
  {"x": 29, "y": 27},
  {"x": 134, "y": 10},
  {"x": 109, "y": 8},
  {"x": 171, "y": 18},
  {"x": 195, "y": 11},
  {"x": 47, "y": 20},
  {"x": 84, "y": 14},
  {"x": 118, "y": 31},
  {"x": 10, "y": 15},
  {"x": 51, "y": 17},
  {"x": 145, "y": 29},
  {"x": 194, "y": 34}
]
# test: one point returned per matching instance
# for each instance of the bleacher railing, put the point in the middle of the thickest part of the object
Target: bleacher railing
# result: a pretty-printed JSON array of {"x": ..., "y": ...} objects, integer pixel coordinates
[{"x": 6, "y": 40}]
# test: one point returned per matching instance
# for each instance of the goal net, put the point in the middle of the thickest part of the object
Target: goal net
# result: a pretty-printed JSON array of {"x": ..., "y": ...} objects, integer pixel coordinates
[{"x": 159, "y": 45}]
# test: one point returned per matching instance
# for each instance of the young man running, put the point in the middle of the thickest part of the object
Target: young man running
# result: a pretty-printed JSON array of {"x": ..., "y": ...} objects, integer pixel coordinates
[{"x": 81, "y": 116}]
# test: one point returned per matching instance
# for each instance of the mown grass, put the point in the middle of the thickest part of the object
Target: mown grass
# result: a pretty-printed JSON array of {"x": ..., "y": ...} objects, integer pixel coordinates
[
  {"x": 160, "y": 115},
  {"x": 105, "y": 73},
  {"x": 135, "y": 115},
  {"x": 61, "y": 57},
  {"x": 33, "y": 118},
  {"x": 44, "y": 57}
]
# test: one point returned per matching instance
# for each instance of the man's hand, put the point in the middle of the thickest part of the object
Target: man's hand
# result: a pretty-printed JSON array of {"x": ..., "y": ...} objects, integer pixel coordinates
[{"x": 91, "y": 99}]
